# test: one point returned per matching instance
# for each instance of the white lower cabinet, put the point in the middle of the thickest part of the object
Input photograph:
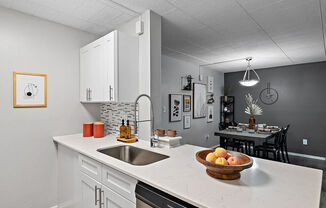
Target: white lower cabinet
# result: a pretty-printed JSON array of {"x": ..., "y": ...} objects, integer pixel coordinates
[
  {"x": 89, "y": 192},
  {"x": 113, "y": 200},
  {"x": 113, "y": 190},
  {"x": 86, "y": 183},
  {"x": 119, "y": 183}
]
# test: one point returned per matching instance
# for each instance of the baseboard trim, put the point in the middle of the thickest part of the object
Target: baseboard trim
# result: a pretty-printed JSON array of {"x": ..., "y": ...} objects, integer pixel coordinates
[
  {"x": 307, "y": 156},
  {"x": 293, "y": 154}
]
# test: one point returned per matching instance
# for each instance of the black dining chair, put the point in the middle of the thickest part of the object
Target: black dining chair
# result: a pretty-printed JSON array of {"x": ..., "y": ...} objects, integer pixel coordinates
[
  {"x": 274, "y": 148},
  {"x": 234, "y": 144},
  {"x": 284, "y": 147}
]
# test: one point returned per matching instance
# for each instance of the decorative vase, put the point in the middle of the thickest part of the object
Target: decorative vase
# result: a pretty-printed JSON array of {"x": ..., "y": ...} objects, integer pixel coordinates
[{"x": 252, "y": 122}]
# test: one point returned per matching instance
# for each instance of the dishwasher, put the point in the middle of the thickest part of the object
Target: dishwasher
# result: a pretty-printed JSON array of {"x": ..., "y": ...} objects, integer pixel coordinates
[{"x": 148, "y": 197}]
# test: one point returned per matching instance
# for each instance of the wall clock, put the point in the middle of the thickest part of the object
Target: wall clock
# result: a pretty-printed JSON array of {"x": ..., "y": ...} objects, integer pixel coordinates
[{"x": 268, "y": 95}]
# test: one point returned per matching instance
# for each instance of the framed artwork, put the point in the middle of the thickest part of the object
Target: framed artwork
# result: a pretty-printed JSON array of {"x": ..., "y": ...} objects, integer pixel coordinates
[
  {"x": 186, "y": 122},
  {"x": 186, "y": 103},
  {"x": 175, "y": 105},
  {"x": 210, "y": 84},
  {"x": 210, "y": 114},
  {"x": 186, "y": 83},
  {"x": 30, "y": 90},
  {"x": 199, "y": 100}
]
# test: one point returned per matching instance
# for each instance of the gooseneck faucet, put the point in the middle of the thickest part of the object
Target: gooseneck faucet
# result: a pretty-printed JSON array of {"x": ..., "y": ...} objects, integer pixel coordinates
[{"x": 153, "y": 139}]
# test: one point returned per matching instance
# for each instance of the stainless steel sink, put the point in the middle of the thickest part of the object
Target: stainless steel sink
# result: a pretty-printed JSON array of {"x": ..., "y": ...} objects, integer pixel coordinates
[{"x": 133, "y": 155}]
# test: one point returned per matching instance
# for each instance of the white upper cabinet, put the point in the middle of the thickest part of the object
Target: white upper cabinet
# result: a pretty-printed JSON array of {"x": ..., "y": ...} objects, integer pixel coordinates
[{"x": 109, "y": 69}]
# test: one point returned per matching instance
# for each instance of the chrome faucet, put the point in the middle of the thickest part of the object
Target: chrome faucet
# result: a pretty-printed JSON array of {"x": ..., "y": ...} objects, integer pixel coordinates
[{"x": 154, "y": 138}]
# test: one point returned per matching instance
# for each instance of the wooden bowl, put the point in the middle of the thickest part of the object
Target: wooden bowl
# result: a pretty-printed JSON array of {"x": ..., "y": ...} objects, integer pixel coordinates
[
  {"x": 160, "y": 132},
  {"x": 225, "y": 172},
  {"x": 171, "y": 133}
]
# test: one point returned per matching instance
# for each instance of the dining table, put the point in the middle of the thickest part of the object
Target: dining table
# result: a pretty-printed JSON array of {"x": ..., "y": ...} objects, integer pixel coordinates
[{"x": 246, "y": 135}]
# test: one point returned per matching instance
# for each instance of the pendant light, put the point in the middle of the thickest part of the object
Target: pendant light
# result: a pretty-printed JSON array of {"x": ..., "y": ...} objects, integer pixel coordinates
[{"x": 247, "y": 81}]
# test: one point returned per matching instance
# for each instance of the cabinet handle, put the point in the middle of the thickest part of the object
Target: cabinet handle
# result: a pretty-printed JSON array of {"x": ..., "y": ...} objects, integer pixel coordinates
[
  {"x": 87, "y": 94},
  {"x": 101, "y": 198},
  {"x": 110, "y": 89},
  {"x": 90, "y": 94},
  {"x": 97, "y": 200}
]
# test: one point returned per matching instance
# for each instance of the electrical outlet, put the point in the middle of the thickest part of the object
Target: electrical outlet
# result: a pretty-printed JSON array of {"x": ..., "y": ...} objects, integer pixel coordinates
[
  {"x": 207, "y": 136},
  {"x": 305, "y": 141}
]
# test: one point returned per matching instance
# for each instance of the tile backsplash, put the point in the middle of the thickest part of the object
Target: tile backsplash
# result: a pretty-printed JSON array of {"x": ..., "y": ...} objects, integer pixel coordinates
[{"x": 113, "y": 113}]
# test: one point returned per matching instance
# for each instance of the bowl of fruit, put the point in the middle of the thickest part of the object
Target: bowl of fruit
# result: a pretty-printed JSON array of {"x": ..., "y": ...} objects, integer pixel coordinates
[{"x": 224, "y": 164}]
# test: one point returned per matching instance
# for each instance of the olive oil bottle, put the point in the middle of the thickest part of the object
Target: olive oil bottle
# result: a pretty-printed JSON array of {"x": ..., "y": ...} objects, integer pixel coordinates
[{"x": 123, "y": 129}]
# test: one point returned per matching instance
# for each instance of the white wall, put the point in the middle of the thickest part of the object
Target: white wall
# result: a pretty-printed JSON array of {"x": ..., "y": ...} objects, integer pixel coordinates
[
  {"x": 172, "y": 71},
  {"x": 149, "y": 67},
  {"x": 28, "y": 176}
]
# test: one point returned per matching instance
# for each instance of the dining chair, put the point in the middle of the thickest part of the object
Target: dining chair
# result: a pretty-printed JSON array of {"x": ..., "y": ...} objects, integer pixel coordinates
[
  {"x": 226, "y": 143},
  {"x": 284, "y": 147},
  {"x": 274, "y": 148}
]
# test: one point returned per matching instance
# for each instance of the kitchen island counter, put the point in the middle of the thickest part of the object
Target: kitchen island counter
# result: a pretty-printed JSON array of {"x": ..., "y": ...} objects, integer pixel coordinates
[{"x": 266, "y": 184}]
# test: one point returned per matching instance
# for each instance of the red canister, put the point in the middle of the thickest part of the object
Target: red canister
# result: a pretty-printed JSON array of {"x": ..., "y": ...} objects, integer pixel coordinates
[
  {"x": 88, "y": 129},
  {"x": 98, "y": 129}
]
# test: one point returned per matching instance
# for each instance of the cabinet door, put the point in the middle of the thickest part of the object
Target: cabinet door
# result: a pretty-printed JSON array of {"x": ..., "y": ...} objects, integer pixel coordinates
[
  {"x": 85, "y": 66},
  {"x": 97, "y": 79},
  {"x": 114, "y": 200},
  {"x": 89, "y": 196},
  {"x": 93, "y": 75},
  {"x": 110, "y": 64}
]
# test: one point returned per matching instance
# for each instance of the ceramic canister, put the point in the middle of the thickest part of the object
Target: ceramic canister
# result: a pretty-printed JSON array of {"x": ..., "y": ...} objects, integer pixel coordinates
[
  {"x": 98, "y": 129},
  {"x": 88, "y": 129}
]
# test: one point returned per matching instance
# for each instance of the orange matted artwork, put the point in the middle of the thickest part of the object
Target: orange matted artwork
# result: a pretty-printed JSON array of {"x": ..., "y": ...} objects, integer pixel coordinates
[{"x": 30, "y": 90}]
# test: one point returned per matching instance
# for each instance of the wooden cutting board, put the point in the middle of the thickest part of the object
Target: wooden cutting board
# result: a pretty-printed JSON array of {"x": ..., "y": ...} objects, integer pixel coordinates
[{"x": 131, "y": 140}]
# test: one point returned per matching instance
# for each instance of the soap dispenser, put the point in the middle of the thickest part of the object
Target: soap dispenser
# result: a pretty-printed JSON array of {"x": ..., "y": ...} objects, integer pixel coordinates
[
  {"x": 128, "y": 131},
  {"x": 123, "y": 129}
]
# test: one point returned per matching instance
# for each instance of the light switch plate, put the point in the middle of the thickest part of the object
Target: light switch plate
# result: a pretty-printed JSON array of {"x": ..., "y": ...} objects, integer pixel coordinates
[{"x": 305, "y": 141}]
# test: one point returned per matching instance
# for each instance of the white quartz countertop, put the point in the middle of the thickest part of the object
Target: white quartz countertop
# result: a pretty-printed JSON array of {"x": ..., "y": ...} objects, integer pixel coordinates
[{"x": 266, "y": 184}]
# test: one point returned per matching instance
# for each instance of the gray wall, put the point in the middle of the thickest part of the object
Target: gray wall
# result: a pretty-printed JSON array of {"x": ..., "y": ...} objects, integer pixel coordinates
[
  {"x": 28, "y": 155},
  {"x": 172, "y": 71},
  {"x": 301, "y": 103}
]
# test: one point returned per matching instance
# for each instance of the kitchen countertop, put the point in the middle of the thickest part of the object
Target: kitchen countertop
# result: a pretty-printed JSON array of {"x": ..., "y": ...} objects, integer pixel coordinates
[{"x": 266, "y": 184}]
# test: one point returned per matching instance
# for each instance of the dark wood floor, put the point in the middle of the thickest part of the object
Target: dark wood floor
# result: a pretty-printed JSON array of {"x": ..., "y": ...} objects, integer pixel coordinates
[{"x": 313, "y": 164}]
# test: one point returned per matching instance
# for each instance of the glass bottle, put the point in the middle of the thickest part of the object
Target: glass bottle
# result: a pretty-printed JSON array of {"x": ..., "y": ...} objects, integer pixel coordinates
[
  {"x": 128, "y": 130},
  {"x": 123, "y": 129}
]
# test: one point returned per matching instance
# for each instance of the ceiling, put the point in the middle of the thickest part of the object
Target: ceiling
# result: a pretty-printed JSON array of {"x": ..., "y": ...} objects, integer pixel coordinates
[{"x": 273, "y": 32}]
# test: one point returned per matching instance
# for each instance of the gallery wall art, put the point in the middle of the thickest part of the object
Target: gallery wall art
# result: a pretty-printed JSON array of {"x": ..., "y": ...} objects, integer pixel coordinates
[
  {"x": 187, "y": 121},
  {"x": 30, "y": 90},
  {"x": 199, "y": 100},
  {"x": 210, "y": 113},
  {"x": 210, "y": 84},
  {"x": 186, "y": 103},
  {"x": 175, "y": 106},
  {"x": 186, "y": 83}
]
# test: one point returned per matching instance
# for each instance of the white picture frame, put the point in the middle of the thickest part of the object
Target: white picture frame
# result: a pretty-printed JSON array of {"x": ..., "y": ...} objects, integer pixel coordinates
[
  {"x": 186, "y": 103},
  {"x": 210, "y": 84},
  {"x": 199, "y": 100},
  {"x": 210, "y": 113},
  {"x": 175, "y": 107},
  {"x": 187, "y": 121}
]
